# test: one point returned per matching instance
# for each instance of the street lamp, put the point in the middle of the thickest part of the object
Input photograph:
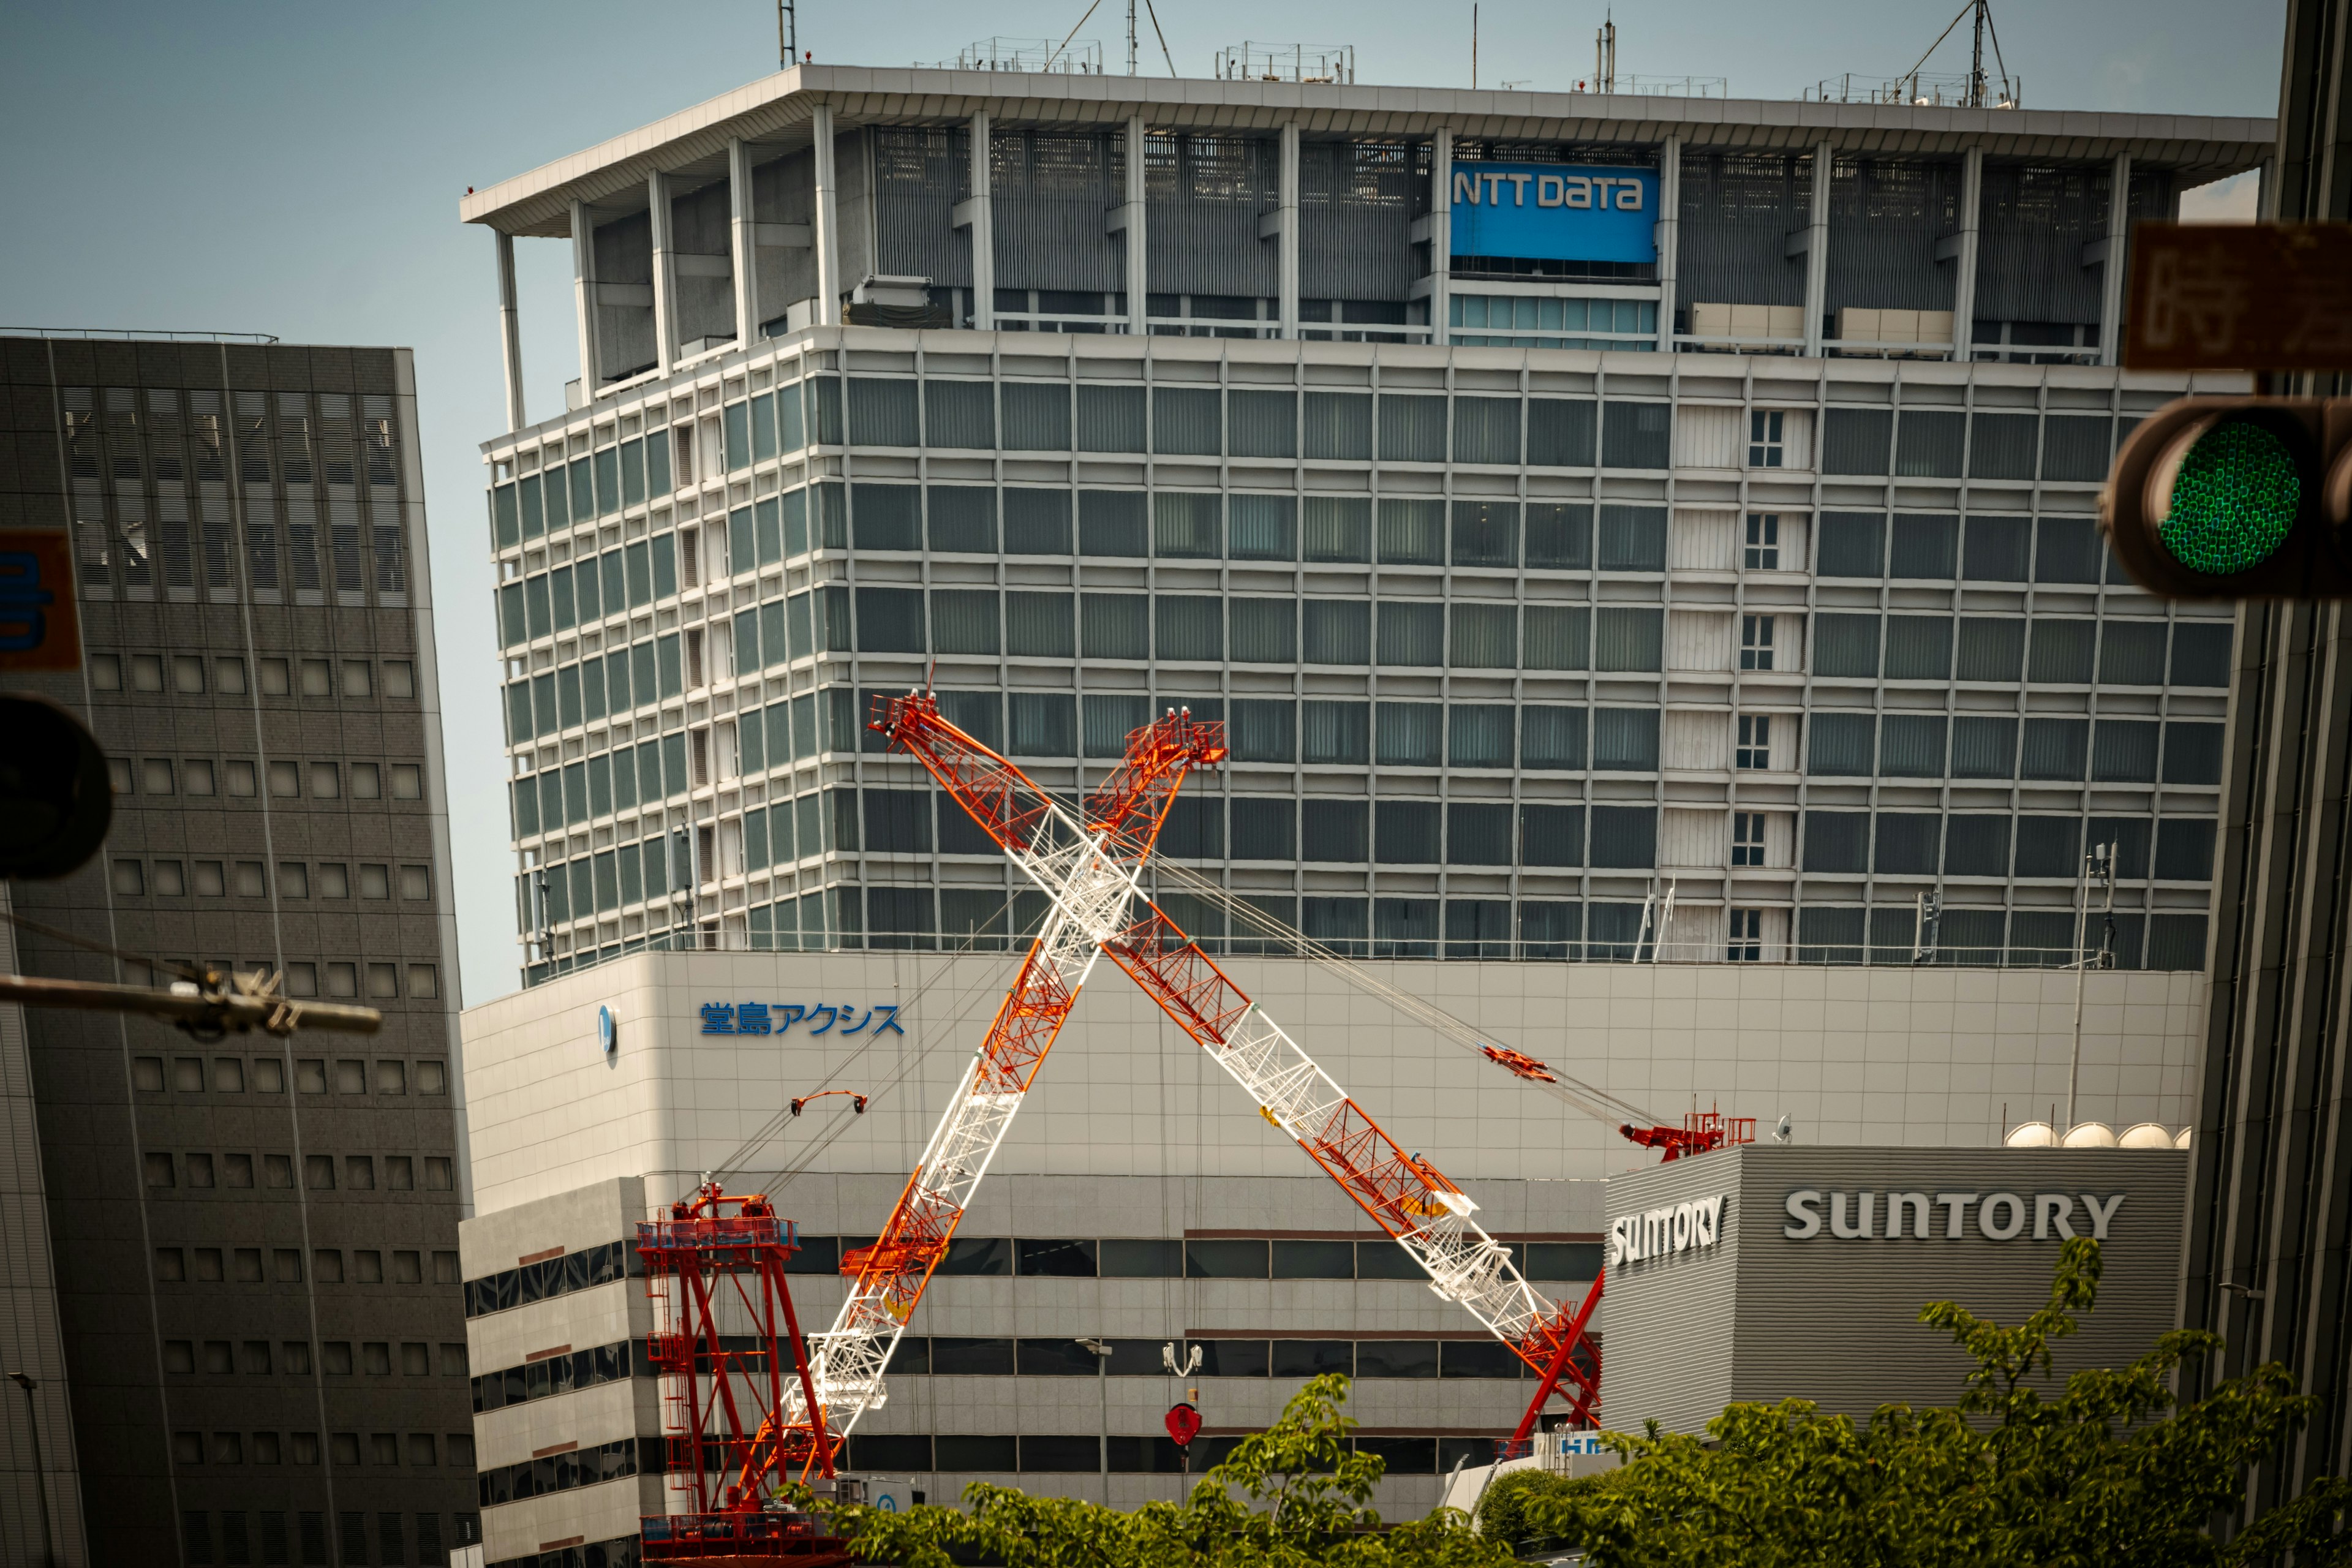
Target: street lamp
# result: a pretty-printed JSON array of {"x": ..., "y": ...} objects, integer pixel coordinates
[
  {"x": 2098, "y": 862},
  {"x": 40, "y": 1479},
  {"x": 1101, "y": 1349}
]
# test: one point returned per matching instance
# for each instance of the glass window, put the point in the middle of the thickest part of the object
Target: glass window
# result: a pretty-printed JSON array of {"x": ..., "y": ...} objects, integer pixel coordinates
[
  {"x": 1339, "y": 425},
  {"x": 1412, "y": 632},
  {"x": 1263, "y": 527},
  {"x": 1413, "y": 428},
  {"x": 962, "y": 519},
  {"x": 882, "y": 411},
  {"x": 1236, "y": 1258}
]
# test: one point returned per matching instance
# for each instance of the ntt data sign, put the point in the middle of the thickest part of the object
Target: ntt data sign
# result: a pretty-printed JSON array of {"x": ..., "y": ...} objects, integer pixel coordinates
[{"x": 1556, "y": 212}]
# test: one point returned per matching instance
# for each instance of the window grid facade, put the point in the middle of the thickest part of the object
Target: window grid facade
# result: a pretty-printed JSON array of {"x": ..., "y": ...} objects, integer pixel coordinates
[{"x": 1194, "y": 406}]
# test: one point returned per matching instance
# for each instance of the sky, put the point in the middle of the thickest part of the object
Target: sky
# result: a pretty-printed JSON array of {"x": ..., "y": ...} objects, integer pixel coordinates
[{"x": 295, "y": 170}]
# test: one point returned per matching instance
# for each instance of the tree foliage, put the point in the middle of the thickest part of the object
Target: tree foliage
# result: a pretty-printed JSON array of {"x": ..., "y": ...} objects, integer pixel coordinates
[
  {"x": 2106, "y": 1471},
  {"x": 1291, "y": 1496}
]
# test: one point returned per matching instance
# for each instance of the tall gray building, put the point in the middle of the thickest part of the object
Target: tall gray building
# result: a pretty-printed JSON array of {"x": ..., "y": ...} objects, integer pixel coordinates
[
  {"x": 232, "y": 1261},
  {"x": 2268, "y": 1217},
  {"x": 1543, "y": 560}
]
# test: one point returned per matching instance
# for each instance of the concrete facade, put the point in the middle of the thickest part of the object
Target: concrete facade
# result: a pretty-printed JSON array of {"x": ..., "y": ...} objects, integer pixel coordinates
[
  {"x": 251, "y": 1244},
  {"x": 1136, "y": 1137}
]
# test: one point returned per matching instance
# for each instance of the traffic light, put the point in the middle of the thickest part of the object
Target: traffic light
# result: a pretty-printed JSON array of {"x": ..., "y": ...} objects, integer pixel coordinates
[{"x": 2236, "y": 498}]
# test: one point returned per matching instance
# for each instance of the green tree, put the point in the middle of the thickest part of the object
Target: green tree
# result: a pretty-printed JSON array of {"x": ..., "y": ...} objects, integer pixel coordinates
[
  {"x": 1290, "y": 1496},
  {"x": 2106, "y": 1471}
]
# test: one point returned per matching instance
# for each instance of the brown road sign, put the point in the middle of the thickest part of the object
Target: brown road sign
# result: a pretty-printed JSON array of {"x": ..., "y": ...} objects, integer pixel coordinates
[
  {"x": 39, "y": 628},
  {"x": 2271, "y": 296}
]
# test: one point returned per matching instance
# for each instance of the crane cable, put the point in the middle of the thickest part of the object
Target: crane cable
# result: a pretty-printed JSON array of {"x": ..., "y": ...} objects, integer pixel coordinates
[
  {"x": 1589, "y": 1098},
  {"x": 733, "y": 1163}
]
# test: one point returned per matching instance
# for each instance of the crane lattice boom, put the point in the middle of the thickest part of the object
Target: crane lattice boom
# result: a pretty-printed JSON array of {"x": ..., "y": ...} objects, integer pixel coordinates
[
  {"x": 1087, "y": 868},
  {"x": 1405, "y": 1195}
]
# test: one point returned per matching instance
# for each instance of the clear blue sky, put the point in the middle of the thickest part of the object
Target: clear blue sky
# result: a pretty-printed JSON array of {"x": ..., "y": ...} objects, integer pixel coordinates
[{"x": 294, "y": 169}]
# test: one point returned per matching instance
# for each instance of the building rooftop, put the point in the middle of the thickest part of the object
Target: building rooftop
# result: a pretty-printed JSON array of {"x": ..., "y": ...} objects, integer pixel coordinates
[{"x": 775, "y": 111}]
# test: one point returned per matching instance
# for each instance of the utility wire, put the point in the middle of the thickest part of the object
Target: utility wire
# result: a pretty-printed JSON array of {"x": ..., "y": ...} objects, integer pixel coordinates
[
  {"x": 767, "y": 1132},
  {"x": 1589, "y": 1098}
]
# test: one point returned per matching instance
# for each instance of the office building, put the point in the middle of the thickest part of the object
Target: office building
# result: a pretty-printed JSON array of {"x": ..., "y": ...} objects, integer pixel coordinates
[
  {"x": 235, "y": 1259},
  {"x": 1515, "y": 633}
]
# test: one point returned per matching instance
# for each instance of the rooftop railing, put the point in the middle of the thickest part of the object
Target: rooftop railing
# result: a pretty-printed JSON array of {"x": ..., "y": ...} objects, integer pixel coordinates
[
  {"x": 142, "y": 334},
  {"x": 1781, "y": 953}
]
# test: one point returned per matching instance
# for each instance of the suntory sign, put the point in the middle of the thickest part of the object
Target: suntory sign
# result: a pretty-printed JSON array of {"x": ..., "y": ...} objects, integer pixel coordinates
[
  {"x": 1948, "y": 1217},
  {"x": 1663, "y": 1232}
]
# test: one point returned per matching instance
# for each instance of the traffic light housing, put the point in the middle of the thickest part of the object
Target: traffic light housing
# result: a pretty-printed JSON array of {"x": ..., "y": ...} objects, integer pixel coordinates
[{"x": 2236, "y": 498}]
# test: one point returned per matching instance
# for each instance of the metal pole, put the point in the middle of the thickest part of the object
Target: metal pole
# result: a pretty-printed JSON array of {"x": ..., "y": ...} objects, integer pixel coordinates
[
  {"x": 40, "y": 1477},
  {"x": 2107, "y": 918},
  {"x": 1101, "y": 1349},
  {"x": 2082, "y": 963}
]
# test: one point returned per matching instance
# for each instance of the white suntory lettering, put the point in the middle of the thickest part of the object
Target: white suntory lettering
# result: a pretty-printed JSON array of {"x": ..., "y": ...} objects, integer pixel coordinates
[
  {"x": 1863, "y": 1206},
  {"x": 1998, "y": 1216},
  {"x": 2101, "y": 1213},
  {"x": 1662, "y": 1232},
  {"x": 2049, "y": 1209},
  {"x": 2005, "y": 1229},
  {"x": 1804, "y": 1207}
]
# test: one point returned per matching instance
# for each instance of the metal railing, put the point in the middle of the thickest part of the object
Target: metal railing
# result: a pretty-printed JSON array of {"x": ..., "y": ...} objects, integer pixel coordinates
[
  {"x": 141, "y": 335},
  {"x": 1916, "y": 88},
  {"x": 1675, "y": 86},
  {"x": 1035, "y": 57},
  {"x": 1778, "y": 953},
  {"x": 1332, "y": 64}
]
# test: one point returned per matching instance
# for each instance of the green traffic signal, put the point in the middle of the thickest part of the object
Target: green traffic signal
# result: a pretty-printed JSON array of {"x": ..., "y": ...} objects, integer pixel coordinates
[{"x": 2234, "y": 499}]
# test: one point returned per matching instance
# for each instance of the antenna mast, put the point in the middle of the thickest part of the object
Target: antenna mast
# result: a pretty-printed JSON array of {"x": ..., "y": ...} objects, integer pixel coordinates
[
  {"x": 1976, "y": 58},
  {"x": 788, "y": 31},
  {"x": 1130, "y": 38},
  {"x": 1604, "y": 55}
]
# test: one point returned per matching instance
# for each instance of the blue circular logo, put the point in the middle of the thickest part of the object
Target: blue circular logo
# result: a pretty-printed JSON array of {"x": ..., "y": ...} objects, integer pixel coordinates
[
  {"x": 886, "y": 1503},
  {"x": 606, "y": 1034}
]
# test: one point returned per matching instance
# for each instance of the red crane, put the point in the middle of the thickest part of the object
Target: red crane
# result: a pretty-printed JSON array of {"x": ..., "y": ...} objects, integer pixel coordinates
[
  {"x": 719, "y": 1254},
  {"x": 1089, "y": 864}
]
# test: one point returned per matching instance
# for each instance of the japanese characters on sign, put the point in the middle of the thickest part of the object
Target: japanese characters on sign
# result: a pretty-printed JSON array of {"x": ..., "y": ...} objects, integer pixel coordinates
[
  {"x": 2271, "y": 296},
  {"x": 824, "y": 1018}
]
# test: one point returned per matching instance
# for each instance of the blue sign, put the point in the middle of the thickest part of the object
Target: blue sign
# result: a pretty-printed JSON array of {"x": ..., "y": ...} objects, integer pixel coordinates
[
  {"x": 1556, "y": 212},
  {"x": 824, "y": 1018},
  {"x": 607, "y": 1038}
]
